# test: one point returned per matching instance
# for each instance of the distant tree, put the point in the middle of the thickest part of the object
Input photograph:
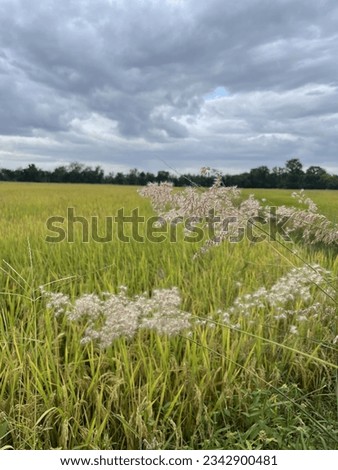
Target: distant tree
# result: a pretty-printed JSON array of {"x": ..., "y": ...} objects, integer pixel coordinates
[
  {"x": 74, "y": 172},
  {"x": 119, "y": 178},
  {"x": 133, "y": 176},
  {"x": 332, "y": 182},
  {"x": 162, "y": 176},
  {"x": 242, "y": 180},
  {"x": 316, "y": 177},
  {"x": 290, "y": 176},
  {"x": 277, "y": 177},
  {"x": 8, "y": 175},
  {"x": 260, "y": 177},
  {"x": 59, "y": 175},
  {"x": 31, "y": 173},
  {"x": 109, "y": 178},
  {"x": 93, "y": 176},
  {"x": 294, "y": 174}
]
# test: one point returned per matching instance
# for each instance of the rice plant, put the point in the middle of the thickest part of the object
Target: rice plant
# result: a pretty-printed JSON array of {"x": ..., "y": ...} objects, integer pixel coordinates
[{"x": 87, "y": 360}]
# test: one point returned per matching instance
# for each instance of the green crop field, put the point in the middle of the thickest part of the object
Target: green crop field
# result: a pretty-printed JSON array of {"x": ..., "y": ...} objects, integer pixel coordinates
[{"x": 266, "y": 383}]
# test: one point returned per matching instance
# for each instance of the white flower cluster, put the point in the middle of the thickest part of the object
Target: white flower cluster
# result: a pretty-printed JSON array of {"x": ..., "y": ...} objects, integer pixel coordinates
[
  {"x": 118, "y": 315},
  {"x": 111, "y": 316},
  {"x": 290, "y": 296},
  {"x": 313, "y": 226},
  {"x": 235, "y": 214},
  {"x": 56, "y": 301},
  {"x": 192, "y": 201}
]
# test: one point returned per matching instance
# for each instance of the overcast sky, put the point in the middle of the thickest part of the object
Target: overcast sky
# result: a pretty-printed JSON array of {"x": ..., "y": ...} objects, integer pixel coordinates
[{"x": 135, "y": 83}]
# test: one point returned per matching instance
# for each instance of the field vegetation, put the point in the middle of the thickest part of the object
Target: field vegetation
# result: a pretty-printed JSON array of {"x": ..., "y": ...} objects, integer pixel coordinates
[{"x": 239, "y": 376}]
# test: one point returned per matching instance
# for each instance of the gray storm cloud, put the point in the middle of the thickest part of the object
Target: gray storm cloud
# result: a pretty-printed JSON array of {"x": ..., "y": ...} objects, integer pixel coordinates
[{"x": 126, "y": 84}]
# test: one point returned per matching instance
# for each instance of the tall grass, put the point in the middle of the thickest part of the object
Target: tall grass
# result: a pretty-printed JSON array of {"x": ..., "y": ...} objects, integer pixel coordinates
[{"x": 215, "y": 387}]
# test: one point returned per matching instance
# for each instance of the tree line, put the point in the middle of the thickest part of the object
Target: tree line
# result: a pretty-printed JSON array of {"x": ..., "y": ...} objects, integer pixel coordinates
[{"x": 291, "y": 176}]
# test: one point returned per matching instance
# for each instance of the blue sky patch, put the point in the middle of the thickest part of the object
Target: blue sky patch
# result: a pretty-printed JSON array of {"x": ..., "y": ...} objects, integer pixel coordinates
[{"x": 218, "y": 92}]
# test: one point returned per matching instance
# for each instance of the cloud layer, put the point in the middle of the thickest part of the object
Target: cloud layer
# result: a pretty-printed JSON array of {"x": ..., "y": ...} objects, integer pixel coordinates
[{"x": 132, "y": 84}]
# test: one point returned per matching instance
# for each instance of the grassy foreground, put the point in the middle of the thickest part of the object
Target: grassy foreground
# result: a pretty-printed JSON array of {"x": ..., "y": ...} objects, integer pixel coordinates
[{"x": 213, "y": 387}]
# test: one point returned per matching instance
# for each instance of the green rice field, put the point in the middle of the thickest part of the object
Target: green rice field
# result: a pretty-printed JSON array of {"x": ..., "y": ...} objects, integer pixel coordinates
[{"x": 266, "y": 384}]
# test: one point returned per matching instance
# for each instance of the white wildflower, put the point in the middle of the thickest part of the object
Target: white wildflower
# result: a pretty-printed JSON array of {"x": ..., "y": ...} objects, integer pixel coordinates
[
  {"x": 115, "y": 315},
  {"x": 57, "y": 302},
  {"x": 290, "y": 298},
  {"x": 224, "y": 203}
]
